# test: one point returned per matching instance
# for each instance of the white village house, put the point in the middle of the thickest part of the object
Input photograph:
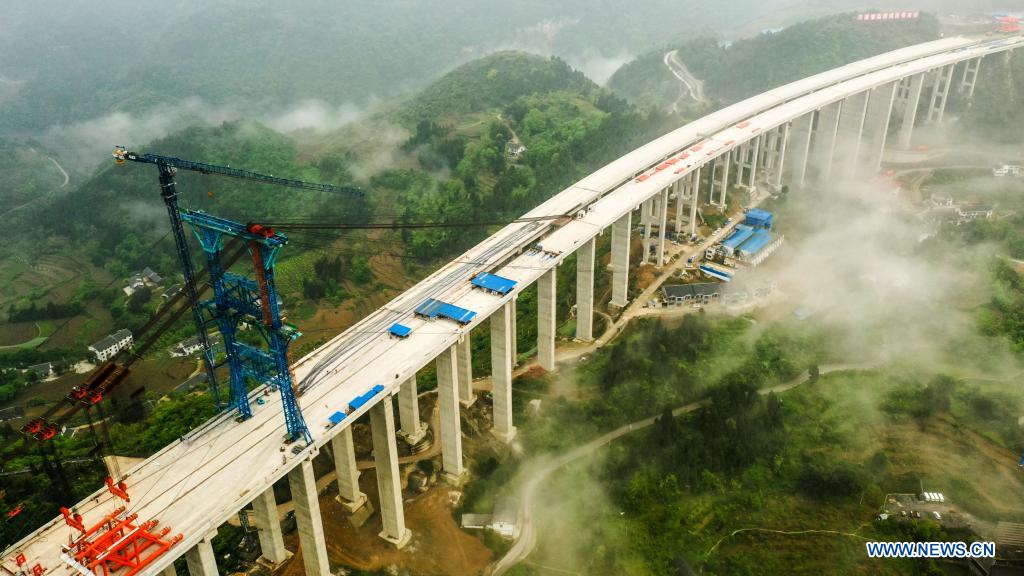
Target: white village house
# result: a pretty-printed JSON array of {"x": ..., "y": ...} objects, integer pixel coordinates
[{"x": 106, "y": 347}]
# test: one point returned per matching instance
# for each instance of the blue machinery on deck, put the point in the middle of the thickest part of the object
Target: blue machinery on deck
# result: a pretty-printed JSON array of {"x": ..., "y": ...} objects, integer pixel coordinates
[{"x": 237, "y": 300}]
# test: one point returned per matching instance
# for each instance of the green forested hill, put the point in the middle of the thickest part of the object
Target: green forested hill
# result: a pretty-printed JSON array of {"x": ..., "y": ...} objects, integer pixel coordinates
[
  {"x": 494, "y": 81},
  {"x": 749, "y": 66}
]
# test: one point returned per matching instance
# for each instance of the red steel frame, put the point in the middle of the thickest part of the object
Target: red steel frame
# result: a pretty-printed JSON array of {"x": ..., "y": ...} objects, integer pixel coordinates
[{"x": 116, "y": 542}]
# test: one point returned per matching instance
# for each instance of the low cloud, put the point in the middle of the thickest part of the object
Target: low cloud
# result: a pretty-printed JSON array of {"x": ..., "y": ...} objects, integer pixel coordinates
[{"x": 84, "y": 145}]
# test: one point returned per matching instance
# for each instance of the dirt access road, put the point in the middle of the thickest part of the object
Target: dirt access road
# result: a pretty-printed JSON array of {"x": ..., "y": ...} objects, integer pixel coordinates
[{"x": 533, "y": 478}]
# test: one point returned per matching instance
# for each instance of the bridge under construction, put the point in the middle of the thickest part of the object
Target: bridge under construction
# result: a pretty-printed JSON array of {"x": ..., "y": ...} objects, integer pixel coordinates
[{"x": 832, "y": 125}]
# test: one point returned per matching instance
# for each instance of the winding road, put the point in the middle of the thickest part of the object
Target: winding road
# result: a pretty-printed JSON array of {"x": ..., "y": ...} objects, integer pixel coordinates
[
  {"x": 533, "y": 478},
  {"x": 691, "y": 83}
]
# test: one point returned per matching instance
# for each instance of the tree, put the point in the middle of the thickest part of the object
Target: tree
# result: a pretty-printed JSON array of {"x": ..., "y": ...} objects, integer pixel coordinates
[
  {"x": 666, "y": 429},
  {"x": 814, "y": 373},
  {"x": 138, "y": 300}
]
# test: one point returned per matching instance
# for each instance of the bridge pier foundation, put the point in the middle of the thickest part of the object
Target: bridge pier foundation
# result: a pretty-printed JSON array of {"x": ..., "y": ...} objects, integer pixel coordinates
[
  {"x": 200, "y": 558},
  {"x": 501, "y": 369},
  {"x": 876, "y": 125},
  {"x": 268, "y": 527},
  {"x": 307, "y": 518},
  {"x": 413, "y": 430},
  {"x": 546, "y": 320},
  {"x": 910, "y": 104},
  {"x": 385, "y": 457},
  {"x": 465, "y": 355},
  {"x": 451, "y": 425},
  {"x": 344, "y": 453},
  {"x": 584, "y": 291},
  {"x": 620, "y": 260}
]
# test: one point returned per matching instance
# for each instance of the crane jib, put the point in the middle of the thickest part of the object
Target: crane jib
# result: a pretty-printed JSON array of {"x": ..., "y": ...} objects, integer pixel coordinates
[{"x": 173, "y": 162}]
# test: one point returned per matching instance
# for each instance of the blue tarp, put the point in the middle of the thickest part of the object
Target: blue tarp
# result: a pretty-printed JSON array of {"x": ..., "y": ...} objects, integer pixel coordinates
[
  {"x": 337, "y": 417},
  {"x": 435, "y": 308},
  {"x": 493, "y": 283},
  {"x": 399, "y": 330},
  {"x": 739, "y": 236},
  {"x": 756, "y": 243}
]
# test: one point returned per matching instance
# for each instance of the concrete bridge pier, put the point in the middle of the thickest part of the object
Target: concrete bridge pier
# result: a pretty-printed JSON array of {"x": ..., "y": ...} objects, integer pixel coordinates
[
  {"x": 385, "y": 457},
  {"x": 662, "y": 226},
  {"x": 681, "y": 189},
  {"x": 451, "y": 424},
  {"x": 726, "y": 160},
  {"x": 307, "y": 518},
  {"x": 546, "y": 320},
  {"x": 169, "y": 571},
  {"x": 200, "y": 558},
  {"x": 876, "y": 125},
  {"x": 344, "y": 453},
  {"x": 825, "y": 139},
  {"x": 512, "y": 324},
  {"x": 800, "y": 148},
  {"x": 501, "y": 368},
  {"x": 412, "y": 429},
  {"x": 756, "y": 145},
  {"x": 584, "y": 292},
  {"x": 779, "y": 161},
  {"x": 647, "y": 220},
  {"x": 970, "y": 77},
  {"x": 694, "y": 199},
  {"x": 620, "y": 260},
  {"x": 268, "y": 527},
  {"x": 910, "y": 104},
  {"x": 465, "y": 355},
  {"x": 940, "y": 94},
  {"x": 849, "y": 132}
]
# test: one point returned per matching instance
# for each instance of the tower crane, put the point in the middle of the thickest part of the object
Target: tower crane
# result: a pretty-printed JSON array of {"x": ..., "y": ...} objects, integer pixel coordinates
[
  {"x": 167, "y": 166},
  {"x": 231, "y": 292}
]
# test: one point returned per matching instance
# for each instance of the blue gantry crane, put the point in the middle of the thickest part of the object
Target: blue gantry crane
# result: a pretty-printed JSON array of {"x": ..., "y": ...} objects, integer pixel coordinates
[{"x": 236, "y": 298}]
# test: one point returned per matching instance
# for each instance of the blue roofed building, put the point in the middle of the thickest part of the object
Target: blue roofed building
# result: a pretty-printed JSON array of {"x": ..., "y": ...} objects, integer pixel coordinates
[
  {"x": 758, "y": 246},
  {"x": 740, "y": 235},
  {"x": 758, "y": 218}
]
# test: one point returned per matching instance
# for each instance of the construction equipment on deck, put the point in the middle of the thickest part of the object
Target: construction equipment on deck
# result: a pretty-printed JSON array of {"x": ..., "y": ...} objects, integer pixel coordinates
[{"x": 235, "y": 289}]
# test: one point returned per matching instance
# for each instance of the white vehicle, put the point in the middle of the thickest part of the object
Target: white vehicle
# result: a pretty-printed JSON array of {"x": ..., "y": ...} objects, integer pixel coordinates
[{"x": 936, "y": 515}]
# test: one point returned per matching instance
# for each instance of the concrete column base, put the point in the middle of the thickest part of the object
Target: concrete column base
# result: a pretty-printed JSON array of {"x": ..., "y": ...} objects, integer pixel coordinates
[
  {"x": 456, "y": 480},
  {"x": 269, "y": 565},
  {"x": 415, "y": 436},
  {"x": 352, "y": 505},
  {"x": 466, "y": 403},
  {"x": 505, "y": 437},
  {"x": 399, "y": 542}
]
